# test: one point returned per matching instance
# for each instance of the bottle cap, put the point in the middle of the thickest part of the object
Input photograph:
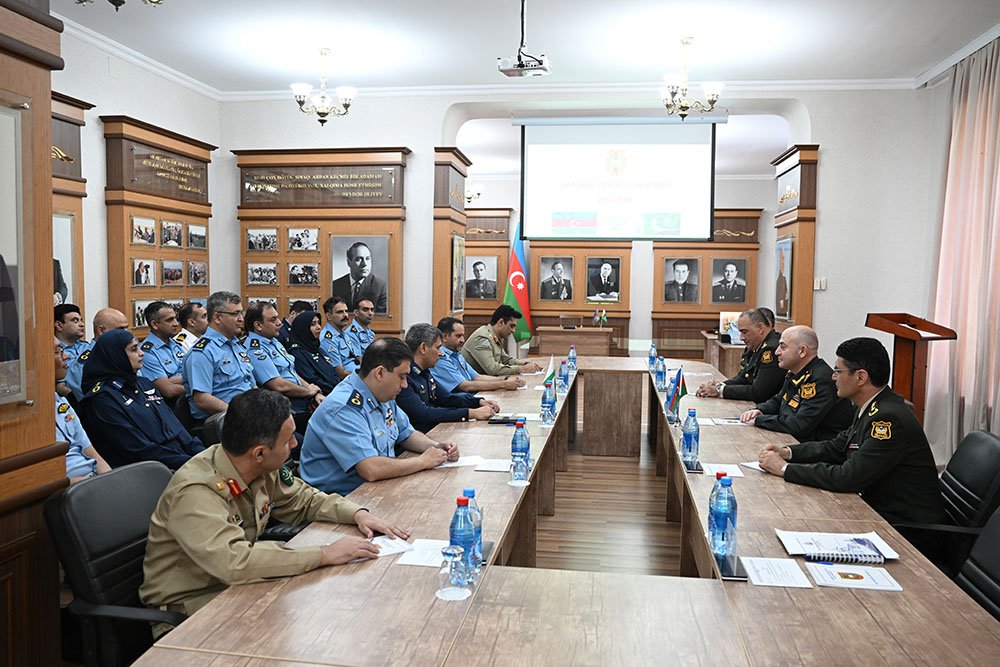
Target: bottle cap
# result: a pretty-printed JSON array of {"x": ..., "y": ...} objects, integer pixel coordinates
[
  {"x": 572, "y": 347},
  {"x": 563, "y": 362},
  {"x": 548, "y": 383},
  {"x": 471, "y": 493},
  {"x": 462, "y": 502},
  {"x": 720, "y": 475},
  {"x": 691, "y": 412},
  {"x": 727, "y": 481},
  {"x": 519, "y": 422}
]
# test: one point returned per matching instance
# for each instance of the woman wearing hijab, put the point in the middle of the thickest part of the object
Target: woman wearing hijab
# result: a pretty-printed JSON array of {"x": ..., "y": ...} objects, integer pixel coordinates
[
  {"x": 311, "y": 363},
  {"x": 123, "y": 411}
]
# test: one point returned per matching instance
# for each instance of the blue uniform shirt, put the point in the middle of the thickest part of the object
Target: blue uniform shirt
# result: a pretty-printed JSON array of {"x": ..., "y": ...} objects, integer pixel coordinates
[
  {"x": 427, "y": 405},
  {"x": 270, "y": 360},
  {"x": 361, "y": 337},
  {"x": 218, "y": 366},
  {"x": 452, "y": 370},
  {"x": 162, "y": 359},
  {"x": 69, "y": 429},
  {"x": 347, "y": 428},
  {"x": 338, "y": 347},
  {"x": 77, "y": 353}
]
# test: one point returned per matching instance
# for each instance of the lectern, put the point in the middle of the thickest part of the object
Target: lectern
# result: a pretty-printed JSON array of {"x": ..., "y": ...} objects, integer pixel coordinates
[{"x": 909, "y": 352}]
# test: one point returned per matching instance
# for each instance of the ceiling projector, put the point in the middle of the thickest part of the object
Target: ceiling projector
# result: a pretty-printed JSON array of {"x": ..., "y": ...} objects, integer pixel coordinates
[{"x": 518, "y": 66}]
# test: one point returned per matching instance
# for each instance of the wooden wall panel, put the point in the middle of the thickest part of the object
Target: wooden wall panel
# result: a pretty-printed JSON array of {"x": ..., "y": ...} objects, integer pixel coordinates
[{"x": 450, "y": 166}]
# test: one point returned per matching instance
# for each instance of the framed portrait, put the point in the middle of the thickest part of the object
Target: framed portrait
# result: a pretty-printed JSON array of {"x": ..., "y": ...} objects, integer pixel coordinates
[
  {"x": 303, "y": 274},
  {"x": 197, "y": 237},
  {"x": 173, "y": 272},
  {"x": 680, "y": 280},
  {"x": 457, "y": 273},
  {"x": 729, "y": 281},
  {"x": 171, "y": 234},
  {"x": 63, "y": 263},
  {"x": 197, "y": 273},
  {"x": 313, "y": 304},
  {"x": 361, "y": 269},
  {"x": 15, "y": 279},
  {"x": 139, "y": 312},
  {"x": 604, "y": 279},
  {"x": 481, "y": 277},
  {"x": 251, "y": 300},
  {"x": 262, "y": 274},
  {"x": 262, "y": 240},
  {"x": 143, "y": 231},
  {"x": 144, "y": 272},
  {"x": 783, "y": 248},
  {"x": 175, "y": 303},
  {"x": 556, "y": 279},
  {"x": 303, "y": 238}
]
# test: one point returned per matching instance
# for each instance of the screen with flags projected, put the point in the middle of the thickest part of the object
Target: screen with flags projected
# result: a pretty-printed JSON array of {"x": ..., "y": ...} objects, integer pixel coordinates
[{"x": 623, "y": 182}]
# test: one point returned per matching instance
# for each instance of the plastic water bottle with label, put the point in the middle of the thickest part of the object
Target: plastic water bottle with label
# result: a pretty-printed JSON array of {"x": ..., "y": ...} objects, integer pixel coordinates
[
  {"x": 652, "y": 357},
  {"x": 571, "y": 359},
  {"x": 477, "y": 523},
  {"x": 689, "y": 442},
  {"x": 548, "y": 405}
]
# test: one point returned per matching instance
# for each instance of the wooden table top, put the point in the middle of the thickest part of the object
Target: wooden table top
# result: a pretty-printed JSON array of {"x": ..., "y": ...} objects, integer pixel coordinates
[{"x": 173, "y": 657}]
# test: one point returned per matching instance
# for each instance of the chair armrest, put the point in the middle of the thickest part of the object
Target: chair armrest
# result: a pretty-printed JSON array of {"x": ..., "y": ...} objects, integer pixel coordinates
[
  {"x": 939, "y": 528},
  {"x": 122, "y": 613}
]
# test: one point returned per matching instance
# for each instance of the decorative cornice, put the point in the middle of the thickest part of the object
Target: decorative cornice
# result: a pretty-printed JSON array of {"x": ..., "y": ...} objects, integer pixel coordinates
[{"x": 957, "y": 57}]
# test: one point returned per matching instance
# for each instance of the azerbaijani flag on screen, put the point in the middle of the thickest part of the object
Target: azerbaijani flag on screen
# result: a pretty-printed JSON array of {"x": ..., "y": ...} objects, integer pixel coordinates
[
  {"x": 680, "y": 391},
  {"x": 516, "y": 292}
]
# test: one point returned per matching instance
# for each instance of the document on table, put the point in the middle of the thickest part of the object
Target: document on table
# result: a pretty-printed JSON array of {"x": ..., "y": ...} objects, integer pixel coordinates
[
  {"x": 426, "y": 553},
  {"x": 730, "y": 421},
  {"x": 783, "y": 572},
  {"x": 753, "y": 465},
  {"x": 731, "y": 469},
  {"x": 853, "y": 576},
  {"x": 531, "y": 416},
  {"x": 706, "y": 421},
  {"x": 494, "y": 465},
  {"x": 801, "y": 543},
  {"x": 462, "y": 461},
  {"x": 390, "y": 546}
]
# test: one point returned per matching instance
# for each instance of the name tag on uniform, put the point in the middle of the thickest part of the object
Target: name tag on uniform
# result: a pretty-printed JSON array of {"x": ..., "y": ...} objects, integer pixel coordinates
[
  {"x": 853, "y": 445},
  {"x": 793, "y": 403}
]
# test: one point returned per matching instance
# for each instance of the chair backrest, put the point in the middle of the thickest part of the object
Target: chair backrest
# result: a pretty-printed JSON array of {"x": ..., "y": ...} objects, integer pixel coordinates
[
  {"x": 182, "y": 409},
  {"x": 970, "y": 485},
  {"x": 211, "y": 433},
  {"x": 980, "y": 576}
]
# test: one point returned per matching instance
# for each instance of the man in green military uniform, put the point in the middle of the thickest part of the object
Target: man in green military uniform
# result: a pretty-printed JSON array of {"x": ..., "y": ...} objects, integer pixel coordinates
[
  {"x": 883, "y": 455},
  {"x": 203, "y": 534},
  {"x": 759, "y": 378},
  {"x": 807, "y": 406},
  {"x": 484, "y": 349}
]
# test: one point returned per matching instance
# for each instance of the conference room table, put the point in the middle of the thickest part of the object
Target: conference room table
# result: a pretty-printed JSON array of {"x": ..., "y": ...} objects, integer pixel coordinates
[{"x": 380, "y": 613}]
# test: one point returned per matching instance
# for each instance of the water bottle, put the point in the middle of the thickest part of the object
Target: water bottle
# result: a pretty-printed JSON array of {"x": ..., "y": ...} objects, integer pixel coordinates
[
  {"x": 660, "y": 370},
  {"x": 711, "y": 500},
  {"x": 723, "y": 513},
  {"x": 548, "y": 405},
  {"x": 477, "y": 522},
  {"x": 571, "y": 359},
  {"x": 689, "y": 444},
  {"x": 462, "y": 533},
  {"x": 562, "y": 381},
  {"x": 520, "y": 452},
  {"x": 652, "y": 357}
]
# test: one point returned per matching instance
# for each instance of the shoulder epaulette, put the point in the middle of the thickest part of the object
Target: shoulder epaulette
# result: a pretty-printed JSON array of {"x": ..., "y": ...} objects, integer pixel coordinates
[
  {"x": 292, "y": 346},
  {"x": 180, "y": 337},
  {"x": 201, "y": 344},
  {"x": 328, "y": 334},
  {"x": 356, "y": 399},
  {"x": 148, "y": 345},
  {"x": 84, "y": 356},
  {"x": 63, "y": 407},
  {"x": 255, "y": 342}
]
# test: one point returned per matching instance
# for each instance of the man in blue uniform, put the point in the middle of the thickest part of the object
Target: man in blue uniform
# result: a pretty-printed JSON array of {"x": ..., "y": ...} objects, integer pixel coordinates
[
  {"x": 360, "y": 331},
  {"x": 297, "y": 307},
  {"x": 333, "y": 339},
  {"x": 218, "y": 367},
  {"x": 82, "y": 460},
  {"x": 453, "y": 373},
  {"x": 69, "y": 331},
  {"x": 352, "y": 436},
  {"x": 194, "y": 321},
  {"x": 424, "y": 402},
  {"x": 163, "y": 356}
]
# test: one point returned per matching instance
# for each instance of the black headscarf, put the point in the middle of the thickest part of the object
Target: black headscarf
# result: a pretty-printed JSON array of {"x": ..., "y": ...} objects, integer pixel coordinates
[
  {"x": 108, "y": 361},
  {"x": 301, "y": 331}
]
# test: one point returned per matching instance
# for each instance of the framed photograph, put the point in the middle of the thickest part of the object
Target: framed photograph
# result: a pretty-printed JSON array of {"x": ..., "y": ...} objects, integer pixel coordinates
[
  {"x": 63, "y": 263},
  {"x": 457, "y": 273},
  {"x": 197, "y": 273},
  {"x": 303, "y": 274},
  {"x": 604, "y": 278},
  {"x": 481, "y": 275},
  {"x": 360, "y": 270},
  {"x": 680, "y": 280},
  {"x": 175, "y": 303},
  {"x": 17, "y": 303},
  {"x": 262, "y": 240},
  {"x": 729, "y": 281},
  {"x": 171, "y": 234},
  {"x": 729, "y": 326},
  {"x": 197, "y": 237},
  {"x": 139, "y": 313},
  {"x": 783, "y": 248},
  {"x": 143, "y": 231},
  {"x": 313, "y": 304},
  {"x": 556, "y": 279},
  {"x": 303, "y": 238},
  {"x": 251, "y": 300},
  {"x": 262, "y": 274},
  {"x": 144, "y": 272},
  {"x": 173, "y": 272}
]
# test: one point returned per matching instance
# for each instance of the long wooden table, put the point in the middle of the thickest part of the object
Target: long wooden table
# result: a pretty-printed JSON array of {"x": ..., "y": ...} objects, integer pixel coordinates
[{"x": 379, "y": 613}]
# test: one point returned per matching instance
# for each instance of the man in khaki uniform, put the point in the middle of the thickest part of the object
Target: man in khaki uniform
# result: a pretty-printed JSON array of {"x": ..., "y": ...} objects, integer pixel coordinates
[
  {"x": 203, "y": 534},
  {"x": 484, "y": 350}
]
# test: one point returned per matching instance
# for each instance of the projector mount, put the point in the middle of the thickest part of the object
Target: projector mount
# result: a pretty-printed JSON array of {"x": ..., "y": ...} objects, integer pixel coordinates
[{"x": 524, "y": 64}]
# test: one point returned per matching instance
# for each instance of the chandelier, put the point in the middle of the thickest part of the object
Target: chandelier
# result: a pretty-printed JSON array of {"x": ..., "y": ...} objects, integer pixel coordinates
[
  {"x": 675, "y": 95},
  {"x": 118, "y": 3},
  {"x": 323, "y": 105},
  {"x": 472, "y": 193}
]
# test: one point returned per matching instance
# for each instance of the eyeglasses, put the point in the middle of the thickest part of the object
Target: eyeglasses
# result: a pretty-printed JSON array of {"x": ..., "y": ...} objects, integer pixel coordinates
[{"x": 235, "y": 313}]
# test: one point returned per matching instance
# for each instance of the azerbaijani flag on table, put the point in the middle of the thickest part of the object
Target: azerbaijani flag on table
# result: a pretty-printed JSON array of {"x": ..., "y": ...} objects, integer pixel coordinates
[
  {"x": 516, "y": 292},
  {"x": 550, "y": 372},
  {"x": 679, "y": 391}
]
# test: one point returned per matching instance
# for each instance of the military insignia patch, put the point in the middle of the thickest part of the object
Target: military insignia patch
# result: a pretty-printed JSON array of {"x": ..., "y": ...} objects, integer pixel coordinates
[
  {"x": 201, "y": 344},
  {"x": 484, "y": 345},
  {"x": 808, "y": 390},
  {"x": 882, "y": 430},
  {"x": 793, "y": 403},
  {"x": 63, "y": 408},
  {"x": 234, "y": 487},
  {"x": 180, "y": 337},
  {"x": 146, "y": 346},
  {"x": 255, "y": 342},
  {"x": 328, "y": 335},
  {"x": 356, "y": 399},
  {"x": 84, "y": 356},
  {"x": 97, "y": 388},
  {"x": 873, "y": 409},
  {"x": 766, "y": 357},
  {"x": 285, "y": 474}
]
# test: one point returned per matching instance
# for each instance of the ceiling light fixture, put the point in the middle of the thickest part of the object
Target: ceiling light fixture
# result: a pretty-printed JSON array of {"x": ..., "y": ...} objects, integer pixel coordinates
[
  {"x": 675, "y": 95},
  {"x": 118, "y": 3},
  {"x": 323, "y": 105},
  {"x": 524, "y": 64}
]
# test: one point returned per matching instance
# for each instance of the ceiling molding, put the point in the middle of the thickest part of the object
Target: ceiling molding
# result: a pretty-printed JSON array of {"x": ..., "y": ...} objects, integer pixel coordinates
[
  {"x": 745, "y": 177},
  {"x": 958, "y": 56}
]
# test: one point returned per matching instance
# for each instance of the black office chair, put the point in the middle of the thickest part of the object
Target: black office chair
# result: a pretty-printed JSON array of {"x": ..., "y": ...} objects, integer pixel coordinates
[
  {"x": 980, "y": 575},
  {"x": 970, "y": 488},
  {"x": 99, "y": 527},
  {"x": 211, "y": 432},
  {"x": 182, "y": 408}
]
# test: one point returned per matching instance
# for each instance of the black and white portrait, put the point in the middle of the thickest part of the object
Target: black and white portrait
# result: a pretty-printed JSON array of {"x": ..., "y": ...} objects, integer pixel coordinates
[
  {"x": 603, "y": 278},
  {"x": 303, "y": 238},
  {"x": 729, "y": 283},
  {"x": 173, "y": 272},
  {"x": 197, "y": 273},
  {"x": 143, "y": 231},
  {"x": 556, "y": 279},
  {"x": 171, "y": 234},
  {"x": 262, "y": 274},
  {"x": 62, "y": 259},
  {"x": 303, "y": 274},
  {"x": 680, "y": 280},
  {"x": 197, "y": 237},
  {"x": 313, "y": 303},
  {"x": 144, "y": 272},
  {"x": 139, "y": 313},
  {"x": 251, "y": 300},
  {"x": 481, "y": 277},
  {"x": 262, "y": 240},
  {"x": 361, "y": 270},
  {"x": 457, "y": 273}
]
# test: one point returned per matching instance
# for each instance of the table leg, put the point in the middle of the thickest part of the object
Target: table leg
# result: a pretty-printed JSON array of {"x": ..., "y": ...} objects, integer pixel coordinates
[
  {"x": 612, "y": 409},
  {"x": 571, "y": 409},
  {"x": 559, "y": 438},
  {"x": 653, "y": 409},
  {"x": 544, "y": 478},
  {"x": 524, "y": 530}
]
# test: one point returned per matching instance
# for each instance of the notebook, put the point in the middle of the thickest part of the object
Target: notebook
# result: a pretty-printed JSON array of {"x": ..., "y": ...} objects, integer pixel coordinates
[
  {"x": 867, "y": 548},
  {"x": 853, "y": 576}
]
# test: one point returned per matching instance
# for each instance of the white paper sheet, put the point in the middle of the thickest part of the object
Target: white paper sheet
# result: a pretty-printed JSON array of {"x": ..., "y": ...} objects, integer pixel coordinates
[
  {"x": 494, "y": 465},
  {"x": 783, "y": 572},
  {"x": 730, "y": 421},
  {"x": 731, "y": 469},
  {"x": 391, "y": 545},
  {"x": 798, "y": 543},
  {"x": 853, "y": 576},
  {"x": 753, "y": 465},
  {"x": 462, "y": 461},
  {"x": 425, "y": 553}
]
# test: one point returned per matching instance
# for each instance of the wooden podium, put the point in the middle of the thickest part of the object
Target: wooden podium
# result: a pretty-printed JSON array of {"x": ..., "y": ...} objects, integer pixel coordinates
[
  {"x": 589, "y": 341},
  {"x": 909, "y": 352}
]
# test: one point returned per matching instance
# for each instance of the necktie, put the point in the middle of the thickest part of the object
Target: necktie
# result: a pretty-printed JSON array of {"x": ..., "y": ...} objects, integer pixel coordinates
[{"x": 354, "y": 293}]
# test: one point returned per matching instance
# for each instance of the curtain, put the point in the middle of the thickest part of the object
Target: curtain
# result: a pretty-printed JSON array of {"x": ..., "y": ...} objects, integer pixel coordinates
[{"x": 964, "y": 375}]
